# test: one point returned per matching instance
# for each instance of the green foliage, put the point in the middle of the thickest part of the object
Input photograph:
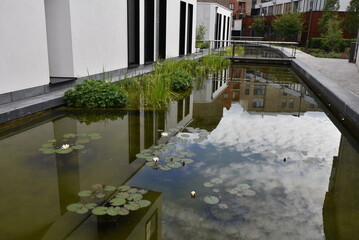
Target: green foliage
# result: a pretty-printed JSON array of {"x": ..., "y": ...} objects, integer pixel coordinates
[
  {"x": 330, "y": 6},
  {"x": 288, "y": 25},
  {"x": 181, "y": 81},
  {"x": 96, "y": 94},
  {"x": 238, "y": 51},
  {"x": 319, "y": 43},
  {"x": 200, "y": 32},
  {"x": 258, "y": 26},
  {"x": 334, "y": 34},
  {"x": 351, "y": 22}
]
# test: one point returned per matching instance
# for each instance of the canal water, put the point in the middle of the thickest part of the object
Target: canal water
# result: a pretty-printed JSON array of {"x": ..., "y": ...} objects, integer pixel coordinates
[{"x": 260, "y": 156}]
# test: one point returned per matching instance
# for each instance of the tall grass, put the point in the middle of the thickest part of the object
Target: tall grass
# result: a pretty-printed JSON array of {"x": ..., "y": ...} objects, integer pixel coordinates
[{"x": 154, "y": 89}]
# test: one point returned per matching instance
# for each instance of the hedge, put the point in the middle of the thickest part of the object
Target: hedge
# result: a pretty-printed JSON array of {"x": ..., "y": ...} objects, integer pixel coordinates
[{"x": 319, "y": 44}]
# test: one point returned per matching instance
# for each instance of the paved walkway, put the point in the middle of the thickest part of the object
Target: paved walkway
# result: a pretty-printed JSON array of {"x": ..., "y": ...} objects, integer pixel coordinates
[{"x": 345, "y": 74}]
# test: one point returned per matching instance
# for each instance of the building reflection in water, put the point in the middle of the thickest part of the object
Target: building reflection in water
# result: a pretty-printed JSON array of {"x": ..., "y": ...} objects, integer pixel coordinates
[{"x": 340, "y": 210}]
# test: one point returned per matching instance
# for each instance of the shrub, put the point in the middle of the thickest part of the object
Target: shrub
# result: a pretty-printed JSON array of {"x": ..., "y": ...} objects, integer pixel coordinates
[
  {"x": 181, "y": 81},
  {"x": 96, "y": 94},
  {"x": 319, "y": 43}
]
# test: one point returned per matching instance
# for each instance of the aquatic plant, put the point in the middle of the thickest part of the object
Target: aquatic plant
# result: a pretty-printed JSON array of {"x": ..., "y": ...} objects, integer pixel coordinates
[
  {"x": 95, "y": 94},
  {"x": 238, "y": 51},
  {"x": 181, "y": 81},
  {"x": 70, "y": 142},
  {"x": 117, "y": 201}
]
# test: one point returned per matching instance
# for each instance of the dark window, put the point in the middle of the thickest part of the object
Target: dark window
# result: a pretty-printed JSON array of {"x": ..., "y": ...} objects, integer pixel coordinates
[
  {"x": 162, "y": 29},
  {"x": 259, "y": 90},
  {"x": 258, "y": 103},
  {"x": 182, "y": 36},
  {"x": 189, "y": 28},
  {"x": 284, "y": 102},
  {"x": 133, "y": 30},
  {"x": 247, "y": 89},
  {"x": 149, "y": 30},
  {"x": 291, "y": 102}
]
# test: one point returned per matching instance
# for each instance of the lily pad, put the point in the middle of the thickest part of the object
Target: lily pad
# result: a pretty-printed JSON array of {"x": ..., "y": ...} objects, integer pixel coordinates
[
  {"x": 243, "y": 186},
  {"x": 187, "y": 160},
  {"x": 132, "y": 190},
  {"x": 64, "y": 151},
  {"x": 122, "y": 211},
  {"x": 211, "y": 199},
  {"x": 47, "y": 145},
  {"x": 232, "y": 191},
  {"x": 122, "y": 195},
  {"x": 69, "y": 135},
  {"x": 223, "y": 206},
  {"x": 132, "y": 206},
  {"x": 82, "y": 210},
  {"x": 78, "y": 147},
  {"x": 95, "y": 138},
  {"x": 112, "y": 211},
  {"x": 99, "y": 211},
  {"x": 164, "y": 167},
  {"x": 150, "y": 164},
  {"x": 118, "y": 201},
  {"x": 217, "y": 180},
  {"x": 144, "y": 203},
  {"x": 93, "y": 134},
  {"x": 208, "y": 184},
  {"x": 123, "y": 188},
  {"x": 85, "y": 193},
  {"x": 110, "y": 188},
  {"x": 100, "y": 195},
  {"x": 52, "y": 140},
  {"x": 216, "y": 190},
  {"x": 174, "y": 164},
  {"x": 97, "y": 187},
  {"x": 141, "y": 155},
  {"x": 73, "y": 207},
  {"x": 142, "y": 191},
  {"x": 135, "y": 197},
  {"x": 49, "y": 151},
  {"x": 90, "y": 205},
  {"x": 249, "y": 192}
]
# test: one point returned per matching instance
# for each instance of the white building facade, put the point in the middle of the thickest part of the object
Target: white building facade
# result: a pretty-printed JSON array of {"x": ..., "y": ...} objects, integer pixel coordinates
[
  {"x": 66, "y": 39},
  {"x": 216, "y": 19}
]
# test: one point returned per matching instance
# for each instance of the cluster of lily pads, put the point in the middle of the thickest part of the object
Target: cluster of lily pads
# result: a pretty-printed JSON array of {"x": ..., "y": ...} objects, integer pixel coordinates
[
  {"x": 119, "y": 201},
  {"x": 70, "y": 142},
  {"x": 183, "y": 137},
  {"x": 240, "y": 190}
]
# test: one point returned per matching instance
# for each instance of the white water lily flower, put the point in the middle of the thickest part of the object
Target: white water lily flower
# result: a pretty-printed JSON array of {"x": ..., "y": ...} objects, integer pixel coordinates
[
  {"x": 164, "y": 134},
  {"x": 155, "y": 159},
  {"x": 65, "y": 146},
  {"x": 193, "y": 193}
]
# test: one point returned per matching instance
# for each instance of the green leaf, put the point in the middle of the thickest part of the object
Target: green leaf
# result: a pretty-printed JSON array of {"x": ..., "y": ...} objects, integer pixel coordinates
[
  {"x": 97, "y": 186},
  {"x": 93, "y": 135},
  {"x": 208, "y": 184},
  {"x": 69, "y": 135},
  {"x": 110, "y": 188},
  {"x": 73, "y": 207},
  {"x": 142, "y": 191},
  {"x": 187, "y": 160},
  {"x": 122, "y": 195},
  {"x": 211, "y": 199},
  {"x": 49, "y": 151},
  {"x": 90, "y": 205},
  {"x": 164, "y": 167},
  {"x": 144, "y": 203},
  {"x": 217, "y": 180},
  {"x": 99, "y": 211},
  {"x": 174, "y": 164},
  {"x": 85, "y": 193},
  {"x": 95, "y": 138},
  {"x": 118, "y": 201},
  {"x": 134, "y": 197},
  {"x": 132, "y": 190},
  {"x": 232, "y": 191},
  {"x": 63, "y": 151},
  {"x": 122, "y": 211},
  {"x": 150, "y": 164},
  {"x": 51, "y": 140},
  {"x": 123, "y": 188},
  {"x": 249, "y": 192},
  {"x": 112, "y": 211},
  {"x": 82, "y": 210},
  {"x": 78, "y": 147},
  {"x": 223, "y": 206},
  {"x": 100, "y": 195},
  {"x": 243, "y": 186},
  {"x": 132, "y": 206}
]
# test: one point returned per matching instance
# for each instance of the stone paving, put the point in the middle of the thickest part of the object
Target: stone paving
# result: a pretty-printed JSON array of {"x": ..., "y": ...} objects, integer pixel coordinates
[{"x": 345, "y": 74}]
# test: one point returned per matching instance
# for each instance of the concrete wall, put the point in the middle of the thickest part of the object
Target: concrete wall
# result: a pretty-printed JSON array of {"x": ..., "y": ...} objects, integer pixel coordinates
[{"x": 23, "y": 47}]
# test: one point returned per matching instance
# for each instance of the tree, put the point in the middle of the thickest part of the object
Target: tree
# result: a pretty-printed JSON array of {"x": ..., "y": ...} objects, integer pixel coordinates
[
  {"x": 334, "y": 33},
  {"x": 330, "y": 6},
  {"x": 288, "y": 25},
  {"x": 352, "y": 18},
  {"x": 258, "y": 26},
  {"x": 200, "y": 32}
]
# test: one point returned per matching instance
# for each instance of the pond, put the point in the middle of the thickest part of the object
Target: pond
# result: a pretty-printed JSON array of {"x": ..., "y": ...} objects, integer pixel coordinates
[{"x": 264, "y": 161}]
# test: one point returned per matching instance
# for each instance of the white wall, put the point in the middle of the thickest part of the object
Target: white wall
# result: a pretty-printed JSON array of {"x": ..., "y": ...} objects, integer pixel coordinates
[
  {"x": 59, "y": 38},
  {"x": 23, "y": 47},
  {"x": 206, "y": 16},
  {"x": 172, "y": 28},
  {"x": 99, "y": 35}
]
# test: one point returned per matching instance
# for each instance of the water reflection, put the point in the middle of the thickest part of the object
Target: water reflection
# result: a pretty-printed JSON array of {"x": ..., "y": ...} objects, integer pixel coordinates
[{"x": 257, "y": 117}]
